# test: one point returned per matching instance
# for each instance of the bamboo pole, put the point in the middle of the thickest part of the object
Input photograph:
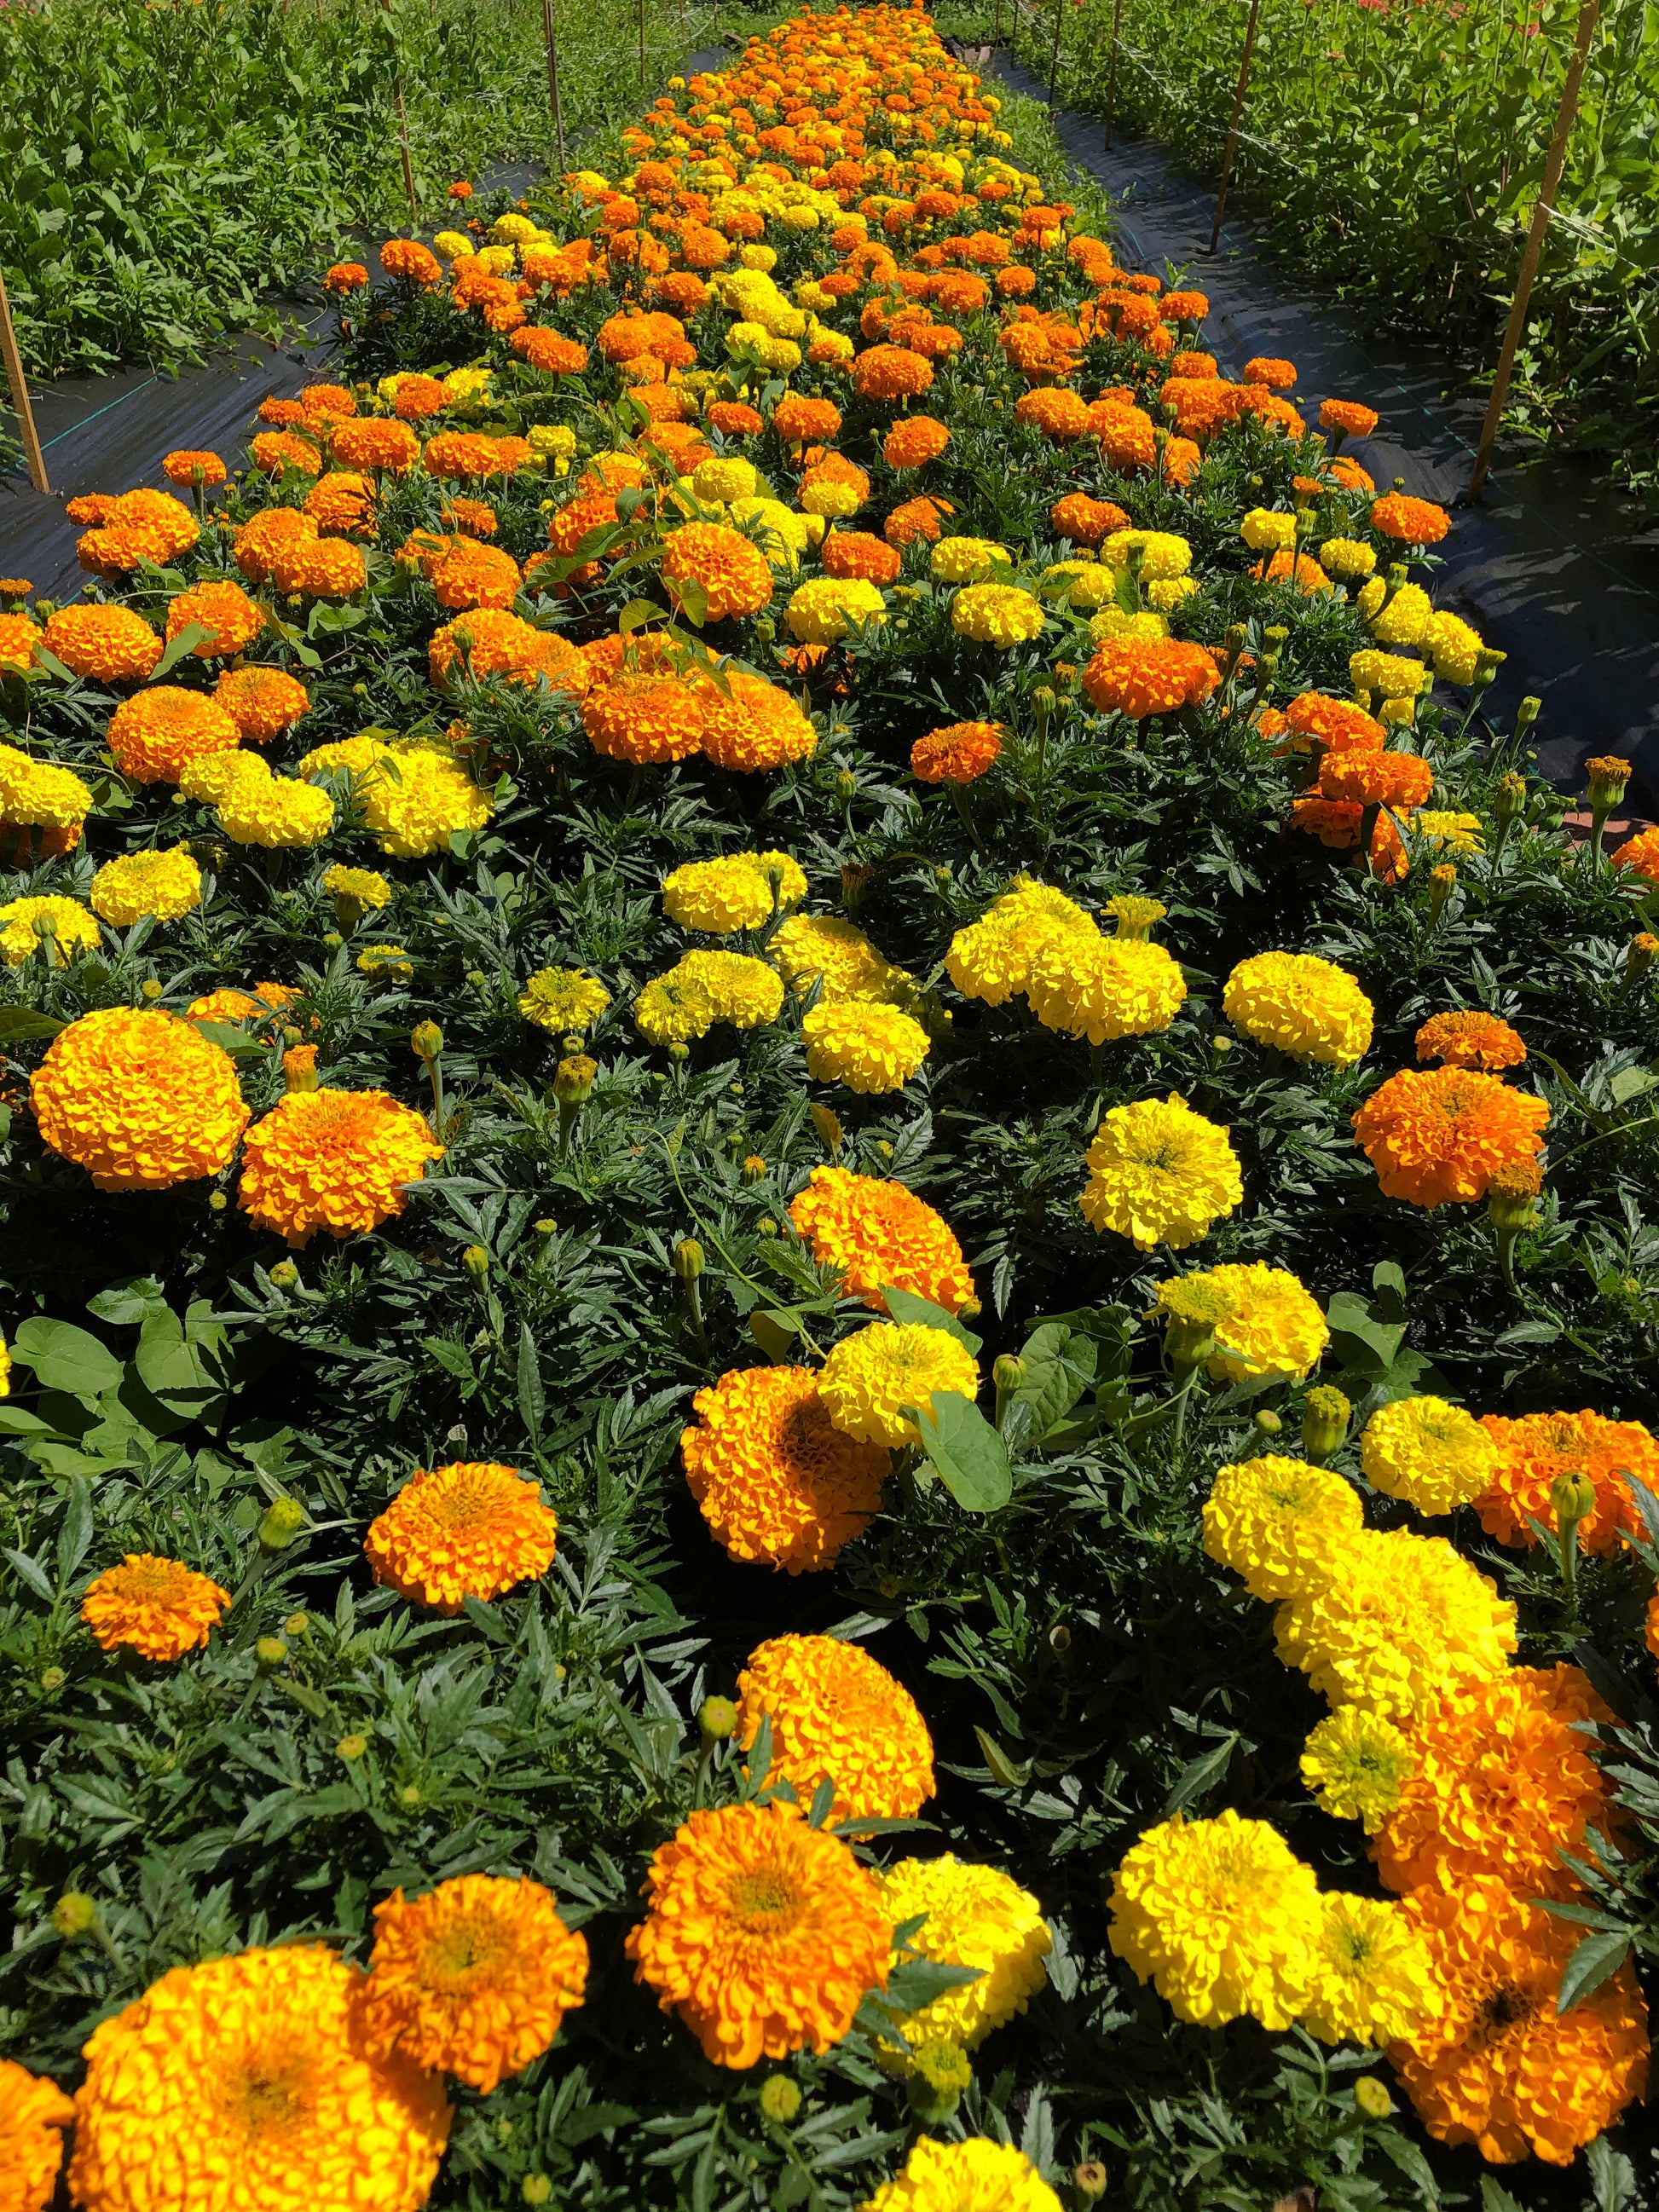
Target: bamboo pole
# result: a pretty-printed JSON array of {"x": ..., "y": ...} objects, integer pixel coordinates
[
  {"x": 1054, "y": 59},
  {"x": 553, "y": 76},
  {"x": 19, "y": 395},
  {"x": 403, "y": 148},
  {"x": 1554, "y": 162},
  {"x": 1111, "y": 73},
  {"x": 1233, "y": 128}
]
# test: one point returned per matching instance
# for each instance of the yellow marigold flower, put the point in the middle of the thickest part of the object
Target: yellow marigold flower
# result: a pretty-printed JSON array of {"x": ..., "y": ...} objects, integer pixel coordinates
[
  {"x": 1401, "y": 617},
  {"x": 977, "y": 1915},
  {"x": 68, "y": 929},
  {"x": 1357, "y": 1763},
  {"x": 868, "y": 1047},
  {"x": 33, "y": 2113},
  {"x": 1264, "y": 530},
  {"x": 279, "y": 812},
  {"x": 1159, "y": 1174},
  {"x": 473, "y": 1979},
  {"x": 975, "y": 2176},
  {"x": 365, "y": 886},
  {"x": 216, "y": 775},
  {"x": 1372, "y": 1979},
  {"x": 160, "y": 886},
  {"x": 339, "y": 1160},
  {"x": 1221, "y": 1916},
  {"x": 1464, "y": 833},
  {"x": 1277, "y": 1521},
  {"x": 869, "y": 1375},
  {"x": 1505, "y": 1781},
  {"x": 1393, "y": 1621},
  {"x": 839, "y": 957},
  {"x": 776, "y": 1481},
  {"x": 718, "y": 482},
  {"x": 997, "y": 614},
  {"x": 1433, "y": 1454},
  {"x": 562, "y": 999},
  {"x": 967, "y": 560},
  {"x": 244, "y": 2081},
  {"x": 838, "y": 1715},
  {"x": 741, "y": 990},
  {"x": 1347, "y": 558},
  {"x": 466, "y": 1530},
  {"x": 826, "y": 610},
  {"x": 1304, "y": 1005},
  {"x": 161, "y": 1609},
  {"x": 392, "y": 960},
  {"x": 738, "y": 890},
  {"x": 1099, "y": 988},
  {"x": 1457, "y": 649},
  {"x": 876, "y": 1232},
  {"x": 139, "y": 1099},
  {"x": 991, "y": 959},
  {"x": 1266, "y": 1323},
  {"x": 1117, "y": 621},
  {"x": 1390, "y": 674},
  {"x": 414, "y": 799},
  {"x": 1164, "y": 557},
  {"x": 762, "y": 1933},
  {"x": 674, "y": 1008}
]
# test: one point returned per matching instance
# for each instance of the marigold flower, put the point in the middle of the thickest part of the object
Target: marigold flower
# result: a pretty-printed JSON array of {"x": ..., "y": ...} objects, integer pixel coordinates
[
  {"x": 991, "y": 959},
  {"x": 1302, "y": 1005},
  {"x": 408, "y": 259},
  {"x": 1500, "y": 2067},
  {"x": 1412, "y": 521},
  {"x": 339, "y": 1160},
  {"x": 763, "y": 1934},
  {"x": 740, "y": 989},
  {"x": 1139, "y": 676},
  {"x": 967, "y": 560},
  {"x": 139, "y": 1099},
  {"x": 838, "y": 1715},
  {"x": 1441, "y": 1136},
  {"x": 644, "y": 719},
  {"x": 465, "y": 1530},
  {"x": 1336, "y": 723},
  {"x": 224, "y": 610},
  {"x": 1535, "y": 1450},
  {"x": 320, "y": 569},
  {"x": 914, "y": 441},
  {"x": 869, "y": 1047},
  {"x": 274, "y": 451},
  {"x": 1088, "y": 986},
  {"x": 1085, "y": 520},
  {"x": 134, "y": 527},
  {"x": 958, "y": 753},
  {"x": 1640, "y": 854},
  {"x": 489, "y": 642},
  {"x": 161, "y": 1609},
  {"x": 1221, "y": 1916},
  {"x": 1470, "y": 1040},
  {"x": 1435, "y": 1455},
  {"x": 997, "y": 614},
  {"x": 33, "y": 2113},
  {"x": 245, "y": 2081},
  {"x": 837, "y": 955},
  {"x": 871, "y": 1376},
  {"x": 890, "y": 372},
  {"x": 27, "y": 923},
  {"x": 1357, "y": 1763},
  {"x": 976, "y": 1915},
  {"x": 856, "y": 553},
  {"x": 1159, "y": 1173},
  {"x": 1348, "y": 416},
  {"x": 826, "y": 610},
  {"x": 110, "y": 644},
  {"x": 876, "y": 1232},
  {"x": 1375, "y": 779},
  {"x": 1264, "y": 1322},
  {"x": 776, "y": 1481},
  {"x": 974, "y": 2176},
  {"x": 738, "y": 891},
  {"x": 261, "y": 702},
  {"x": 799, "y": 420},
  {"x": 1276, "y": 1521},
  {"x": 561, "y": 999},
  {"x": 732, "y": 574},
  {"x": 182, "y": 467},
  {"x": 373, "y": 443},
  {"x": 913, "y": 519},
  {"x": 154, "y": 734},
  {"x": 1373, "y": 1979}
]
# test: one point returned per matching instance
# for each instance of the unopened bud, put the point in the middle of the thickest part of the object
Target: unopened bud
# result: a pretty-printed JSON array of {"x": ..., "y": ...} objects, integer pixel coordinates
[
  {"x": 351, "y": 1749},
  {"x": 780, "y": 2100},
  {"x": 217, "y": 1202},
  {"x": 297, "y": 1624},
  {"x": 284, "y": 1275},
  {"x": 754, "y": 1168},
  {"x": 1510, "y": 1196},
  {"x": 1510, "y": 799},
  {"x": 284, "y": 1518},
  {"x": 717, "y": 1719},
  {"x": 1008, "y": 1373},
  {"x": 1643, "y": 952},
  {"x": 149, "y": 986},
  {"x": 573, "y": 1080},
  {"x": 845, "y": 784},
  {"x": 536, "y": 2189},
  {"x": 1443, "y": 881},
  {"x": 679, "y": 1053},
  {"x": 52, "y": 1678},
  {"x": 1089, "y": 2180},
  {"x": 1527, "y": 713},
  {"x": 767, "y": 1226},
  {"x": 1573, "y": 1499},
  {"x": 1267, "y": 1421},
  {"x": 1325, "y": 1414},
  {"x": 688, "y": 1258},
  {"x": 546, "y": 1227},
  {"x": 74, "y": 1914},
  {"x": 270, "y": 1652},
  {"x": 1608, "y": 776},
  {"x": 299, "y": 1068},
  {"x": 425, "y": 1040},
  {"x": 940, "y": 2072},
  {"x": 475, "y": 1261},
  {"x": 1371, "y": 2098}
]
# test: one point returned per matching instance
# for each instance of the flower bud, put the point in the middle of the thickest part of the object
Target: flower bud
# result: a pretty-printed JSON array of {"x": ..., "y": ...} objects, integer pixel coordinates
[
  {"x": 425, "y": 1040},
  {"x": 284, "y": 1275},
  {"x": 780, "y": 2100},
  {"x": 1008, "y": 1373},
  {"x": 217, "y": 1202},
  {"x": 1371, "y": 2098},
  {"x": 754, "y": 1168},
  {"x": 284, "y": 1518},
  {"x": 545, "y": 1228},
  {"x": 688, "y": 1258},
  {"x": 475, "y": 1261},
  {"x": 52, "y": 1678},
  {"x": 149, "y": 986},
  {"x": 679, "y": 1053},
  {"x": 1443, "y": 881},
  {"x": 333, "y": 939},
  {"x": 1089, "y": 2180},
  {"x": 1572, "y": 1498},
  {"x": 1510, "y": 1196},
  {"x": 1608, "y": 776},
  {"x": 1526, "y": 714},
  {"x": 1643, "y": 952},
  {"x": 1510, "y": 799},
  {"x": 1267, "y": 1421},
  {"x": 536, "y": 2189},
  {"x": 351, "y": 1749},
  {"x": 299, "y": 1068},
  {"x": 270, "y": 1652},
  {"x": 297, "y": 1624},
  {"x": 940, "y": 2072},
  {"x": 845, "y": 784},
  {"x": 827, "y": 1122},
  {"x": 573, "y": 1080},
  {"x": 717, "y": 1719},
  {"x": 1325, "y": 1414}
]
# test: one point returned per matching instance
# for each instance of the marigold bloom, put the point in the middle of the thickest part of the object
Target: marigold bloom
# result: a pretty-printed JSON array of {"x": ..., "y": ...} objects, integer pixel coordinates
[
  {"x": 856, "y": 553},
  {"x": 373, "y": 443},
  {"x": 1001, "y": 615},
  {"x": 1348, "y": 416},
  {"x": 1088, "y": 986},
  {"x": 753, "y": 726},
  {"x": 274, "y": 451},
  {"x": 136, "y": 526},
  {"x": 244, "y": 2081},
  {"x": 776, "y": 1481},
  {"x": 1139, "y": 676},
  {"x": 28, "y": 923},
  {"x": 1412, "y": 521},
  {"x": 261, "y": 702},
  {"x": 1435, "y": 1455},
  {"x": 1470, "y": 1040},
  {"x": 1501, "y": 2068},
  {"x": 1264, "y": 1322},
  {"x": 876, "y": 1232},
  {"x": 674, "y": 1008},
  {"x": 1373, "y": 1979},
  {"x": 839, "y": 957},
  {"x": 154, "y": 734},
  {"x": 1357, "y": 1763},
  {"x": 1159, "y": 1173},
  {"x": 914, "y": 441},
  {"x": 185, "y": 467},
  {"x": 959, "y": 752},
  {"x": 1221, "y": 1916},
  {"x": 1085, "y": 520},
  {"x": 560, "y": 998},
  {"x": 224, "y": 610},
  {"x": 763, "y": 1934},
  {"x": 1640, "y": 854},
  {"x": 1336, "y": 723},
  {"x": 1537, "y": 1449},
  {"x": 974, "y": 2176},
  {"x": 869, "y": 1047},
  {"x": 991, "y": 959},
  {"x": 871, "y": 1376},
  {"x": 732, "y": 574},
  {"x": 110, "y": 644},
  {"x": 339, "y": 1160},
  {"x": 141, "y": 1099},
  {"x": 465, "y": 1530},
  {"x": 644, "y": 719},
  {"x": 1306, "y": 1007},
  {"x": 1370, "y": 779},
  {"x": 161, "y": 1609},
  {"x": 827, "y": 609},
  {"x": 838, "y": 1715},
  {"x": 737, "y": 891},
  {"x": 1437, "y": 1137},
  {"x": 1277, "y": 1521},
  {"x": 487, "y": 641},
  {"x": 739, "y": 989},
  {"x": 915, "y": 518},
  {"x": 890, "y": 372},
  {"x": 977, "y": 1915},
  {"x": 33, "y": 2113}
]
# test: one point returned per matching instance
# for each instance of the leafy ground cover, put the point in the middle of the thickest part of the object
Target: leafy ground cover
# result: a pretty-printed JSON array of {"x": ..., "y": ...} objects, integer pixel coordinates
[
  {"x": 1394, "y": 153},
  {"x": 829, "y": 1264}
]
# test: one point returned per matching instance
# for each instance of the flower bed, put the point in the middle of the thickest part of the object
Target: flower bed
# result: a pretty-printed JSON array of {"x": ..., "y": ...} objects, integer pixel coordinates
[{"x": 827, "y": 1285}]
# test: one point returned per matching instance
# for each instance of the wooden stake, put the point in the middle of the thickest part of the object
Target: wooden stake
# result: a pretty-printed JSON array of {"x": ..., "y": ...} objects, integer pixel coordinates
[
  {"x": 996, "y": 22},
  {"x": 1555, "y": 161},
  {"x": 641, "y": 46},
  {"x": 1111, "y": 73},
  {"x": 1053, "y": 60},
  {"x": 1233, "y": 128},
  {"x": 19, "y": 395},
  {"x": 553, "y": 74},
  {"x": 403, "y": 146}
]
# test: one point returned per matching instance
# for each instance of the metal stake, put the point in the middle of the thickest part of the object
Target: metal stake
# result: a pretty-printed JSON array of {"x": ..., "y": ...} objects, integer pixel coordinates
[
  {"x": 19, "y": 395},
  {"x": 1233, "y": 128}
]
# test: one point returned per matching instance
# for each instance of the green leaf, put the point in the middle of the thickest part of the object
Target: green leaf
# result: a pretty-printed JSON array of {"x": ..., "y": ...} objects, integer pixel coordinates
[
  {"x": 533, "y": 1399},
  {"x": 1596, "y": 1958},
  {"x": 65, "y": 1358},
  {"x": 1494, "y": 2197},
  {"x": 123, "y": 1305},
  {"x": 1199, "y": 1773},
  {"x": 774, "y": 1332},
  {"x": 971, "y": 1458},
  {"x": 75, "y": 1534},
  {"x": 1008, "y": 1771},
  {"x": 192, "y": 635},
  {"x": 1410, "y": 2160},
  {"x": 906, "y": 1306},
  {"x": 1362, "y": 1342},
  {"x": 17, "y": 1023},
  {"x": 1060, "y": 1364}
]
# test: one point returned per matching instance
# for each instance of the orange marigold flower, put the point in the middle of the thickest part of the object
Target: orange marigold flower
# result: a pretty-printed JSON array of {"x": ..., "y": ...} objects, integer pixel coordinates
[
  {"x": 321, "y": 569},
  {"x": 466, "y": 1530},
  {"x": 762, "y": 1933},
  {"x": 473, "y": 518},
  {"x": 345, "y": 276},
  {"x": 1436, "y": 1136},
  {"x": 339, "y": 1160},
  {"x": 230, "y": 1005},
  {"x": 408, "y": 259},
  {"x": 135, "y": 527},
  {"x": 472, "y": 1979},
  {"x": 838, "y": 1715},
  {"x": 1412, "y": 521},
  {"x": 1369, "y": 779},
  {"x": 1143, "y": 676},
  {"x": 858, "y": 553},
  {"x": 372, "y": 443},
  {"x": 470, "y": 454},
  {"x": 732, "y": 574},
  {"x": 155, "y": 735},
  {"x": 19, "y": 636},
  {"x": 112, "y": 645},
  {"x": 1266, "y": 369},
  {"x": 733, "y": 419},
  {"x": 1059, "y": 412},
  {"x": 224, "y": 610},
  {"x": 138, "y": 1098},
  {"x": 1500, "y": 2067},
  {"x": 753, "y": 726},
  {"x": 800, "y": 421},
  {"x": 273, "y": 450},
  {"x": 327, "y": 403},
  {"x": 916, "y": 518},
  {"x": 161, "y": 1609},
  {"x": 489, "y": 642},
  {"x": 1348, "y": 416},
  {"x": 182, "y": 467},
  {"x": 468, "y": 575},
  {"x": 1337, "y": 723},
  {"x": 343, "y": 500},
  {"x": 263, "y": 702},
  {"x": 1470, "y": 1040},
  {"x": 418, "y": 397},
  {"x": 1339, "y": 827},
  {"x": 1505, "y": 1781},
  {"x": 33, "y": 2113},
  {"x": 777, "y": 1482},
  {"x": 915, "y": 441},
  {"x": 887, "y": 372},
  {"x": 957, "y": 753},
  {"x": 1537, "y": 1449},
  {"x": 265, "y": 537},
  {"x": 877, "y": 1232},
  {"x": 1640, "y": 854},
  {"x": 1300, "y": 569},
  {"x": 1183, "y": 306},
  {"x": 1085, "y": 520},
  {"x": 644, "y": 719}
]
